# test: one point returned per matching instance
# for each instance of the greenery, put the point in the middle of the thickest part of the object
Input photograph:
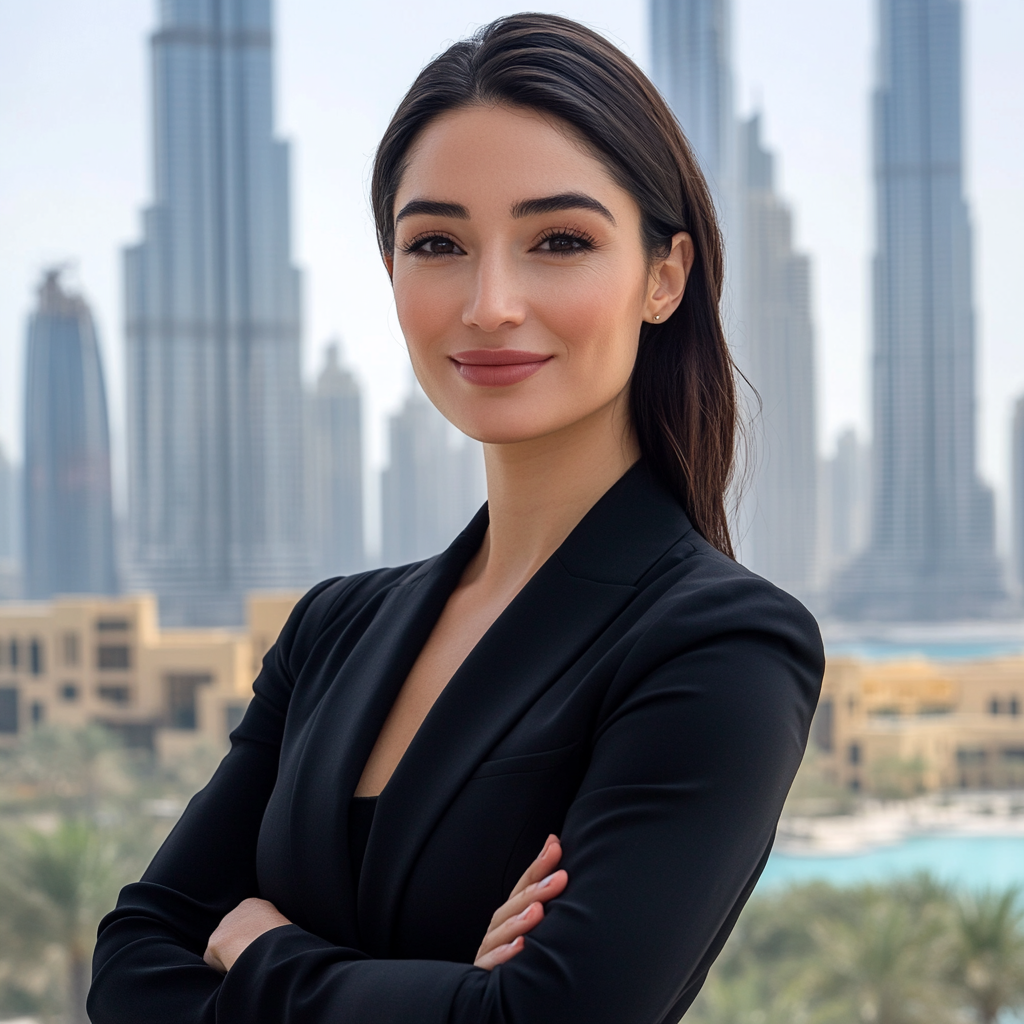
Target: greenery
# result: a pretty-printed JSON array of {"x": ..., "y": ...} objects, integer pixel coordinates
[
  {"x": 80, "y": 817},
  {"x": 912, "y": 951}
]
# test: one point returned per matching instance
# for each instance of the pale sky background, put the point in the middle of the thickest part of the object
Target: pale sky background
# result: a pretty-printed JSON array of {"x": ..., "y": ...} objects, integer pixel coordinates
[{"x": 75, "y": 171}]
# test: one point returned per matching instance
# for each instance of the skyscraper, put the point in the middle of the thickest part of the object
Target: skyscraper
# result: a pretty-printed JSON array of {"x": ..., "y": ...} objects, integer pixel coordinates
[
  {"x": 847, "y": 495},
  {"x": 1017, "y": 494},
  {"x": 68, "y": 517},
  {"x": 10, "y": 528},
  {"x": 692, "y": 66},
  {"x": 213, "y": 324},
  {"x": 782, "y": 501},
  {"x": 430, "y": 488},
  {"x": 334, "y": 450},
  {"x": 931, "y": 555}
]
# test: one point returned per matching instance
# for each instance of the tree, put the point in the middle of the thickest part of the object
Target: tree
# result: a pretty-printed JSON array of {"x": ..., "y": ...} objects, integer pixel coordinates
[
  {"x": 987, "y": 962},
  {"x": 56, "y": 886}
]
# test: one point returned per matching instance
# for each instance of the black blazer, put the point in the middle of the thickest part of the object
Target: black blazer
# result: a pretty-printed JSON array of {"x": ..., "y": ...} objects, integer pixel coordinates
[{"x": 644, "y": 697}]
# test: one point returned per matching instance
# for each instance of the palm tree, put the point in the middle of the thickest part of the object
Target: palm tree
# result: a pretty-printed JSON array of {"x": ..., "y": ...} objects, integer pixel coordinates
[
  {"x": 56, "y": 886},
  {"x": 987, "y": 963},
  {"x": 881, "y": 967}
]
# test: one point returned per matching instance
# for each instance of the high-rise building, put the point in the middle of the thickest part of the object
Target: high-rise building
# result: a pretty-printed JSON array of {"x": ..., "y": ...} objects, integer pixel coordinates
[
  {"x": 1017, "y": 494},
  {"x": 10, "y": 528},
  {"x": 691, "y": 63},
  {"x": 68, "y": 517},
  {"x": 846, "y": 496},
  {"x": 781, "y": 502},
  {"x": 334, "y": 452},
  {"x": 430, "y": 488},
  {"x": 215, "y": 400},
  {"x": 931, "y": 555}
]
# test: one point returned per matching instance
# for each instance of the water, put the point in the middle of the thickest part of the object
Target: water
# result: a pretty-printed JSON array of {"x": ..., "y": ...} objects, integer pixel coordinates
[
  {"x": 933, "y": 650},
  {"x": 975, "y": 862}
]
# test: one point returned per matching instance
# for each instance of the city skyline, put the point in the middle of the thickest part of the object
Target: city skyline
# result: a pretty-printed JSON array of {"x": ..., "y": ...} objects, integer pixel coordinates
[
  {"x": 808, "y": 66},
  {"x": 373, "y": 418}
]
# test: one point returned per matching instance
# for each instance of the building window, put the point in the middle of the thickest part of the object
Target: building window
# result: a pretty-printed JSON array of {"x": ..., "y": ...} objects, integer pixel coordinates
[
  {"x": 970, "y": 756},
  {"x": 993, "y": 706},
  {"x": 38, "y": 712},
  {"x": 69, "y": 692},
  {"x": 233, "y": 714},
  {"x": 35, "y": 658},
  {"x": 181, "y": 703},
  {"x": 112, "y": 625},
  {"x": 1014, "y": 754},
  {"x": 854, "y": 753},
  {"x": 113, "y": 656},
  {"x": 12, "y": 654},
  {"x": 821, "y": 727},
  {"x": 114, "y": 694},
  {"x": 8, "y": 709},
  {"x": 1014, "y": 706},
  {"x": 71, "y": 649}
]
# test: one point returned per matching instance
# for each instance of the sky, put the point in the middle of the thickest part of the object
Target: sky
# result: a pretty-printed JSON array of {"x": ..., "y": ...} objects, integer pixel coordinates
[{"x": 75, "y": 173}]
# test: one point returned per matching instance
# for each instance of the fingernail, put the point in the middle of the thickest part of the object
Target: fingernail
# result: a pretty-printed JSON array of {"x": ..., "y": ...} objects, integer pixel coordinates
[{"x": 545, "y": 882}]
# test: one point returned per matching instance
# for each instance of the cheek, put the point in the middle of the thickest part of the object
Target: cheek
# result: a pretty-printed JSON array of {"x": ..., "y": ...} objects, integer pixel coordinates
[
  {"x": 427, "y": 309},
  {"x": 597, "y": 317}
]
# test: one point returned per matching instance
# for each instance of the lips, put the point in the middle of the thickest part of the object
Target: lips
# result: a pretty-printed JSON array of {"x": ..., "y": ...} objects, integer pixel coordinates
[{"x": 498, "y": 367}]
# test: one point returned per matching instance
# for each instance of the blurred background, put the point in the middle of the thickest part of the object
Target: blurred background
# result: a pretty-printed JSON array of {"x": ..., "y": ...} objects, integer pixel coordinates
[{"x": 206, "y": 405}]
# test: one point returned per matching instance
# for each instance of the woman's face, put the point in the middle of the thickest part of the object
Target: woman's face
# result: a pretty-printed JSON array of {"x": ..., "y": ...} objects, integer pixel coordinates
[{"x": 519, "y": 275}]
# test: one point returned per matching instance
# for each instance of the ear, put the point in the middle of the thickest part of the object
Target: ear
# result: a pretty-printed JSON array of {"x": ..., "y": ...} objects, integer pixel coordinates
[
  {"x": 389, "y": 263},
  {"x": 668, "y": 279}
]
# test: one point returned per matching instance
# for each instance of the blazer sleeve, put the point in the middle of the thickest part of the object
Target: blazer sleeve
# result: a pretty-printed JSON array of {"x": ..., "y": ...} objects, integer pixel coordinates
[
  {"x": 148, "y": 962},
  {"x": 700, "y": 736}
]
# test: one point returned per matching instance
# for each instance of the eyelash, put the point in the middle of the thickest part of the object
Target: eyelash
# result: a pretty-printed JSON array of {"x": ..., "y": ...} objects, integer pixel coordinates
[{"x": 586, "y": 243}]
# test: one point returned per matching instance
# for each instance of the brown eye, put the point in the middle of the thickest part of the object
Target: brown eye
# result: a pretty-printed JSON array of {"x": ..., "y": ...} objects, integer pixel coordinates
[
  {"x": 563, "y": 244},
  {"x": 434, "y": 245}
]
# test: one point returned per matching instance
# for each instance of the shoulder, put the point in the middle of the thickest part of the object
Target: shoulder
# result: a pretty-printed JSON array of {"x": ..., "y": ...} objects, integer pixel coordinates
[
  {"x": 331, "y": 605},
  {"x": 704, "y": 597}
]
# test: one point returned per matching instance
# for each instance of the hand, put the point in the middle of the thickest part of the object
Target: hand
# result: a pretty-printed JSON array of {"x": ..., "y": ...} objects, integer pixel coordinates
[
  {"x": 524, "y": 909},
  {"x": 246, "y": 923}
]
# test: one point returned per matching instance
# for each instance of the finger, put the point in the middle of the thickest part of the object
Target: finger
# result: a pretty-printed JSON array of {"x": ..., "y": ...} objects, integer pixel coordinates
[
  {"x": 501, "y": 955},
  {"x": 544, "y": 863},
  {"x": 212, "y": 960},
  {"x": 521, "y": 924},
  {"x": 539, "y": 892}
]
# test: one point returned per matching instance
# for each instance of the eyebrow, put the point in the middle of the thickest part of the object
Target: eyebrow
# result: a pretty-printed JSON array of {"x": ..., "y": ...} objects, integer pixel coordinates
[
  {"x": 524, "y": 208},
  {"x": 562, "y": 201},
  {"x": 433, "y": 208}
]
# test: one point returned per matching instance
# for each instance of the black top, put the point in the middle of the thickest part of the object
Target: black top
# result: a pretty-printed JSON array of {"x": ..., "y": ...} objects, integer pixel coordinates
[
  {"x": 644, "y": 697},
  {"x": 360, "y": 819}
]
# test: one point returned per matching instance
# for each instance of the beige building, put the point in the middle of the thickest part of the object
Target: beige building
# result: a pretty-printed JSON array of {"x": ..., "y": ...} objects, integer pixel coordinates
[
  {"x": 912, "y": 726},
  {"x": 80, "y": 660}
]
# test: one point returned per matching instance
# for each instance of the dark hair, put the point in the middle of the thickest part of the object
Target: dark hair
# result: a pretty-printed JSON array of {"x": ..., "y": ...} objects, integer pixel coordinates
[{"x": 682, "y": 391}]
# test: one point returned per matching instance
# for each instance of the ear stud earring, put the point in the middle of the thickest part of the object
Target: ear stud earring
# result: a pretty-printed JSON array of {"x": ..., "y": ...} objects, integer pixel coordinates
[{"x": 657, "y": 316}]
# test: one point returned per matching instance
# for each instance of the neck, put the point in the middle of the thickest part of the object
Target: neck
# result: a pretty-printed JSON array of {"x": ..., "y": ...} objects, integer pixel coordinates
[{"x": 538, "y": 490}]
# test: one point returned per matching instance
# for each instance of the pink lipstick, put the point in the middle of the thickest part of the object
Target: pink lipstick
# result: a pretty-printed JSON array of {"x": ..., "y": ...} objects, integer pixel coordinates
[{"x": 498, "y": 367}]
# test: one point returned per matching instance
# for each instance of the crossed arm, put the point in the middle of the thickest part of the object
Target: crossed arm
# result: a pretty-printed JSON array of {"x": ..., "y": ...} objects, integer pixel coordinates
[{"x": 516, "y": 917}]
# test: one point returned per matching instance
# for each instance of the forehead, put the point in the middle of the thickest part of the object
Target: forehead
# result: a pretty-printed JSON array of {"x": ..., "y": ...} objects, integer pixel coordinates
[{"x": 490, "y": 156}]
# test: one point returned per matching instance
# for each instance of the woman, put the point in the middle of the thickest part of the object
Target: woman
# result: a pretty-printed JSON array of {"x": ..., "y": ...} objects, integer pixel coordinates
[{"x": 585, "y": 672}]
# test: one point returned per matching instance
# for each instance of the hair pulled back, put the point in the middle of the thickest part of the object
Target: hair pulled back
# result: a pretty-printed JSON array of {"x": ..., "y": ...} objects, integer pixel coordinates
[{"x": 682, "y": 391}]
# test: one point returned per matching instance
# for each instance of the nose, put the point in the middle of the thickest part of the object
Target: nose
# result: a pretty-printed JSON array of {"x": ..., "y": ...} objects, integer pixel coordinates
[{"x": 497, "y": 300}]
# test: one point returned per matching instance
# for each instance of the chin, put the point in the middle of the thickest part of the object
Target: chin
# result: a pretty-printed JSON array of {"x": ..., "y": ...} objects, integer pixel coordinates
[{"x": 508, "y": 422}]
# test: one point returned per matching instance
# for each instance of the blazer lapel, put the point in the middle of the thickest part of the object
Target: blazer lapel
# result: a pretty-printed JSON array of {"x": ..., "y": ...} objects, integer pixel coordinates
[
  {"x": 329, "y": 759},
  {"x": 545, "y": 630}
]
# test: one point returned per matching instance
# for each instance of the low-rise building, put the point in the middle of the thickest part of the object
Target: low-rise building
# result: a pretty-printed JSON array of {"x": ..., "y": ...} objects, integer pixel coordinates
[
  {"x": 105, "y": 660},
  {"x": 899, "y": 727}
]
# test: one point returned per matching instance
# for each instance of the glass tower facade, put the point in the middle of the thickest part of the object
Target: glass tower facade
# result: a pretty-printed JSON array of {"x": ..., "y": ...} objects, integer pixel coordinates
[
  {"x": 781, "y": 502},
  {"x": 215, "y": 401},
  {"x": 335, "y": 453},
  {"x": 68, "y": 516},
  {"x": 931, "y": 555}
]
